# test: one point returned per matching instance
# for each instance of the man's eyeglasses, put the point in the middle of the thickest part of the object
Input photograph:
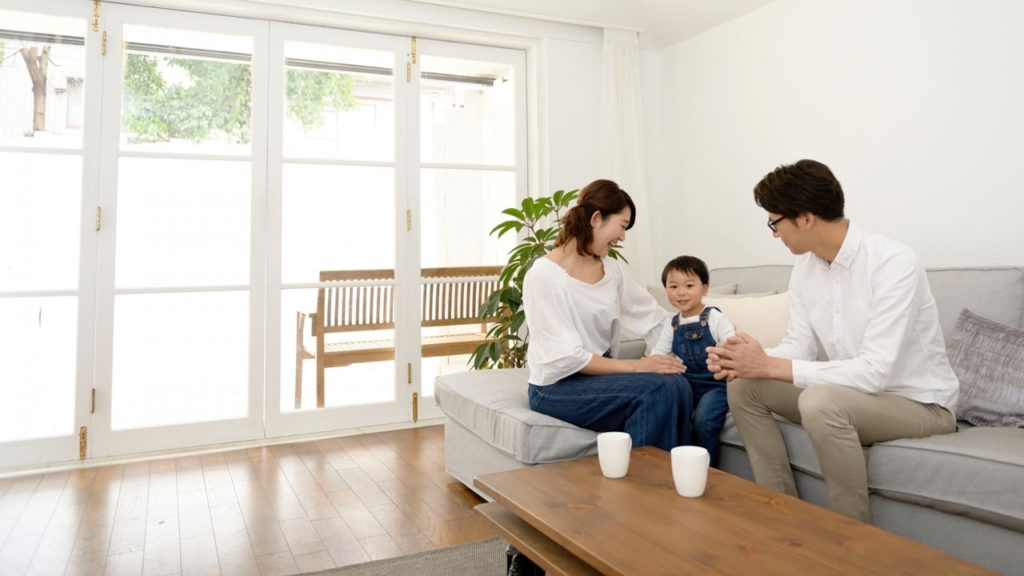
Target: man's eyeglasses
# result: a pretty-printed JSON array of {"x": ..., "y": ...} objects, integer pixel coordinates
[{"x": 773, "y": 224}]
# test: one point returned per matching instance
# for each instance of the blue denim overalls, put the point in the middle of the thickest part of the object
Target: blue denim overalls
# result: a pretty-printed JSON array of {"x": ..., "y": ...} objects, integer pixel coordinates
[{"x": 689, "y": 343}]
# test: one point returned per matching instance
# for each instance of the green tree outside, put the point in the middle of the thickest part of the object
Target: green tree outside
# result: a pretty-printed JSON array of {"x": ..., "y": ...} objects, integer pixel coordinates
[{"x": 217, "y": 99}]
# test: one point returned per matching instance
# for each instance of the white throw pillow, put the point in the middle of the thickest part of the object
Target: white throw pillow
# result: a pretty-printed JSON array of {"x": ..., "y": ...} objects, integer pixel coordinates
[{"x": 763, "y": 317}]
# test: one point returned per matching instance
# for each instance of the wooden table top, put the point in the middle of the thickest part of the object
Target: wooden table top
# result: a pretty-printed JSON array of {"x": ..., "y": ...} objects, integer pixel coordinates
[{"x": 639, "y": 525}]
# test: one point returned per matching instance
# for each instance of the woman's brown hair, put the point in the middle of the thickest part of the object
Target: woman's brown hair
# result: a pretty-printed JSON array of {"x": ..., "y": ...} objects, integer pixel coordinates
[{"x": 602, "y": 196}]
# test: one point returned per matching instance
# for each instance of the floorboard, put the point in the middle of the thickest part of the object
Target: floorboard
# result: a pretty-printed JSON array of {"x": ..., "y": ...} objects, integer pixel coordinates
[{"x": 268, "y": 510}]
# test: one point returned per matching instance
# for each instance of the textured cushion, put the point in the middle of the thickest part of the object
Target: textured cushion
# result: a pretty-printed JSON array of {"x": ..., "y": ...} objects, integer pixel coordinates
[
  {"x": 493, "y": 404},
  {"x": 988, "y": 358},
  {"x": 764, "y": 317}
]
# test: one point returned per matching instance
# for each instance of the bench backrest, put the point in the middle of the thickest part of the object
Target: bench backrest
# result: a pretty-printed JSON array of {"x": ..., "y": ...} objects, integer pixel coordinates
[{"x": 449, "y": 296}]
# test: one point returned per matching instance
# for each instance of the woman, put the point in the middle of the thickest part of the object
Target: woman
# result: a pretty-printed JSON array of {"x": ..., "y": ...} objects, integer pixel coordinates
[{"x": 577, "y": 300}]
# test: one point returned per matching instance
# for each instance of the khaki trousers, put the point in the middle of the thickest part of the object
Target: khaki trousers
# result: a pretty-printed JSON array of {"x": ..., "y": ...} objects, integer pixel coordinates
[{"x": 839, "y": 421}]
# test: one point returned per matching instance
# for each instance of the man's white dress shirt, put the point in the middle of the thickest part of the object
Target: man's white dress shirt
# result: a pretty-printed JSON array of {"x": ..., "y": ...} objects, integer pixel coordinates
[{"x": 868, "y": 321}]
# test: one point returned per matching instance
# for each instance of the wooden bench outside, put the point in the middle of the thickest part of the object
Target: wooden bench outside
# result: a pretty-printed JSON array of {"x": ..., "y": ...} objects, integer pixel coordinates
[{"x": 364, "y": 300}]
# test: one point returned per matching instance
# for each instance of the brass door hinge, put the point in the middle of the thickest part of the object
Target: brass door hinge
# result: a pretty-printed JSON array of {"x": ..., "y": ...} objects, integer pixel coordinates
[
  {"x": 103, "y": 44},
  {"x": 408, "y": 367},
  {"x": 92, "y": 409},
  {"x": 83, "y": 434},
  {"x": 413, "y": 49},
  {"x": 96, "y": 15},
  {"x": 99, "y": 218},
  {"x": 408, "y": 219},
  {"x": 415, "y": 406}
]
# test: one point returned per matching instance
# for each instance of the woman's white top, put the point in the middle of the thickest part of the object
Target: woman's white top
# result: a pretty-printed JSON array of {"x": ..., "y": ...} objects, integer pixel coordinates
[
  {"x": 720, "y": 326},
  {"x": 569, "y": 321}
]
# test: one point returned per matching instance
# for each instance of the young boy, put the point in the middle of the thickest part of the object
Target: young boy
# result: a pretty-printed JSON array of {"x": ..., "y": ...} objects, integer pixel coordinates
[{"x": 688, "y": 335}]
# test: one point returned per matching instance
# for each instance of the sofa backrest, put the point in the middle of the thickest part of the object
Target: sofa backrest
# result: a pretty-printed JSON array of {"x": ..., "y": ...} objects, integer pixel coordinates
[{"x": 996, "y": 293}]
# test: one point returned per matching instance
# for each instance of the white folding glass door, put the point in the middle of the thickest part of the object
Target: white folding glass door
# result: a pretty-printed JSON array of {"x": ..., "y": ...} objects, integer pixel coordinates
[
  {"x": 471, "y": 155},
  {"x": 179, "y": 311},
  {"x": 48, "y": 60},
  {"x": 337, "y": 190}
]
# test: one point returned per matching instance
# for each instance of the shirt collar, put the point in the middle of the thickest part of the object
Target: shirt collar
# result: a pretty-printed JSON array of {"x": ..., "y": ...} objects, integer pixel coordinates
[{"x": 851, "y": 245}]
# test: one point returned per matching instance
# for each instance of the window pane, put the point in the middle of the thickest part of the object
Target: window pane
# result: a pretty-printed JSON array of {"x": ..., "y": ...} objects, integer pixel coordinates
[
  {"x": 467, "y": 111},
  {"x": 186, "y": 91},
  {"x": 183, "y": 223},
  {"x": 42, "y": 72},
  {"x": 180, "y": 358},
  {"x": 37, "y": 375},
  {"x": 356, "y": 384},
  {"x": 459, "y": 208},
  {"x": 41, "y": 202},
  {"x": 336, "y": 218},
  {"x": 339, "y": 102}
]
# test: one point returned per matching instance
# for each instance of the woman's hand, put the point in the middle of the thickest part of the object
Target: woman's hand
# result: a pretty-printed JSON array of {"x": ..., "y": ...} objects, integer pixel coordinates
[{"x": 661, "y": 364}]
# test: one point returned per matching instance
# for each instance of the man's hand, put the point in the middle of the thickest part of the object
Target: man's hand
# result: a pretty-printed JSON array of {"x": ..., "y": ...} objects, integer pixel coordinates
[{"x": 741, "y": 356}]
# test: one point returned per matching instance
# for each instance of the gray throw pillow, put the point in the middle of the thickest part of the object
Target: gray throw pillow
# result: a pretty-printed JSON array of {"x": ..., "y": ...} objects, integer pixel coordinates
[{"x": 988, "y": 358}]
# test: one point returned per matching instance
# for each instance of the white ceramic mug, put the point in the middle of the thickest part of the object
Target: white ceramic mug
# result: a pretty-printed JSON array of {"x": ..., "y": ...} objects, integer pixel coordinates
[
  {"x": 613, "y": 453},
  {"x": 690, "y": 470}
]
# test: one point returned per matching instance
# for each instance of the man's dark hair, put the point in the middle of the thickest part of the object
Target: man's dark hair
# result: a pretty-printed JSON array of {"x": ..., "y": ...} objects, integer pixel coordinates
[
  {"x": 686, "y": 265},
  {"x": 807, "y": 186}
]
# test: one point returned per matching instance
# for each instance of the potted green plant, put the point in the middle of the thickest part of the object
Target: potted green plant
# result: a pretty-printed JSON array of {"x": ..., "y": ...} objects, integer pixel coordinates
[{"x": 537, "y": 221}]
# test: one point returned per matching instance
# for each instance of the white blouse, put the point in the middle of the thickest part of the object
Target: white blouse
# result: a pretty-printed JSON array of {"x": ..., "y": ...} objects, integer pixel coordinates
[{"x": 569, "y": 321}]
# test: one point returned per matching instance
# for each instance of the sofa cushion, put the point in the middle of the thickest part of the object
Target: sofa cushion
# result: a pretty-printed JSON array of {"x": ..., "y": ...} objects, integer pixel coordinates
[
  {"x": 493, "y": 404},
  {"x": 976, "y": 472},
  {"x": 763, "y": 317},
  {"x": 988, "y": 359}
]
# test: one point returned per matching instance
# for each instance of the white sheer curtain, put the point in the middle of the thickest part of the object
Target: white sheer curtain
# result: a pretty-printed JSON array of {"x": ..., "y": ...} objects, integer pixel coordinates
[{"x": 622, "y": 134}]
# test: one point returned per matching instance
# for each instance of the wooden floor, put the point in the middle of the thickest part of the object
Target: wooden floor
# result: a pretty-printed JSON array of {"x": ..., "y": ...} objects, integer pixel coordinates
[{"x": 270, "y": 510}]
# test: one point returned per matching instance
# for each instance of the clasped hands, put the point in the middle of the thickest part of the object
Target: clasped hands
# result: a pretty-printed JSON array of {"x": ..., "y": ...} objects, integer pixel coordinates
[{"x": 739, "y": 356}]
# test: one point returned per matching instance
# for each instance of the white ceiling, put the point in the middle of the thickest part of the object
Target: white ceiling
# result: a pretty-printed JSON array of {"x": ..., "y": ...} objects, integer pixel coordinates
[{"x": 667, "y": 22}]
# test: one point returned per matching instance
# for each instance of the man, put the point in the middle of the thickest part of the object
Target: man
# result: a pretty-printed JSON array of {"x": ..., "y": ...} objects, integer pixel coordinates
[{"x": 863, "y": 359}]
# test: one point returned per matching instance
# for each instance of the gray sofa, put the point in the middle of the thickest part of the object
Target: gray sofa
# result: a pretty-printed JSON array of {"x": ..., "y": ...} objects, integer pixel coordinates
[{"x": 962, "y": 492}]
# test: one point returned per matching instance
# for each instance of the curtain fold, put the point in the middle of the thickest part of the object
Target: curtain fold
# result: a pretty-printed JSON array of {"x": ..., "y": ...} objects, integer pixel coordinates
[{"x": 623, "y": 157}]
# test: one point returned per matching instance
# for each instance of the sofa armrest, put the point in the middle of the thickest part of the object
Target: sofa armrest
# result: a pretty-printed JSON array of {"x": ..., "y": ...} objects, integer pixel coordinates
[{"x": 632, "y": 349}]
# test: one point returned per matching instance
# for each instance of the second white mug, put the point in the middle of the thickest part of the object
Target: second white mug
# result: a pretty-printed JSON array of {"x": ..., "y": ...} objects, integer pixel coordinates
[{"x": 690, "y": 470}]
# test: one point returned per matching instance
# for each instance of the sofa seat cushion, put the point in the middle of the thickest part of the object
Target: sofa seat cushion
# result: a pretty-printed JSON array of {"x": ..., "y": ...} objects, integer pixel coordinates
[
  {"x": 976, "y": 472},
  {"x": 493, "y": 404}
]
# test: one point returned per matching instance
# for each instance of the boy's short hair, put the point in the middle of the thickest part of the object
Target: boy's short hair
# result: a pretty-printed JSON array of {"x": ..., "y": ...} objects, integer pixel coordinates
[{"x": 686, "y": 265}]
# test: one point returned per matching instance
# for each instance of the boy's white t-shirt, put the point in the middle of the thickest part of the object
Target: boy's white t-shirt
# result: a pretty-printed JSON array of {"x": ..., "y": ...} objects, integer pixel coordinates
[{"x": 721, "y": 328}]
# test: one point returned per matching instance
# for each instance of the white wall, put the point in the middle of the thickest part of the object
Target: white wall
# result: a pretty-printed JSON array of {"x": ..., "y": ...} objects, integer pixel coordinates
[
  {"x": 571, "y": 108},
  {"x": 918, "y": 107}
]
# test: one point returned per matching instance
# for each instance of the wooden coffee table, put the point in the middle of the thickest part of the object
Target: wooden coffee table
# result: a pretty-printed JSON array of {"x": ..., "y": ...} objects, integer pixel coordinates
[{"x": 570, "y": 519}]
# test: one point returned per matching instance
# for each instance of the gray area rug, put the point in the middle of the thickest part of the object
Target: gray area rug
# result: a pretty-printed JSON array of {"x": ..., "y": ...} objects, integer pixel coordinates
[{"x": 480, "y": 558}]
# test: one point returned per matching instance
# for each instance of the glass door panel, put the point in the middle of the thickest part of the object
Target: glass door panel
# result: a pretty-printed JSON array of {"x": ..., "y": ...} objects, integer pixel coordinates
[
  {"x": 194, "y": 368},
  {"x": 183, "y": 314},
  {"x": 42, "y": 96},
  {"x": 338, "y": 205},
  {"x": 472, "y": 167}
]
